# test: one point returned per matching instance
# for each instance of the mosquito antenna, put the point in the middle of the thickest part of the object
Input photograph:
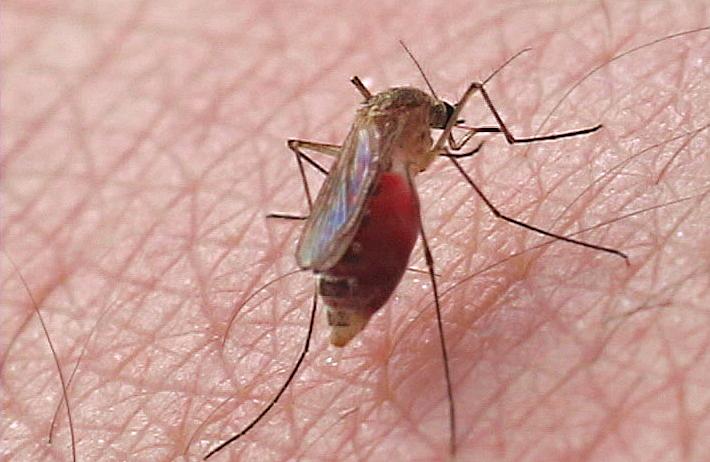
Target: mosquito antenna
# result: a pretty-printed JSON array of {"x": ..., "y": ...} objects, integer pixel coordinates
[
  {"x": 508, "y": 61},
  {"x": 421, "y": 71}
]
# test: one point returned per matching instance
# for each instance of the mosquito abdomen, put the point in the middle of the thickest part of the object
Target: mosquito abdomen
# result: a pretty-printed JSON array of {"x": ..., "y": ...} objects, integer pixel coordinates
[{"x": 370, "y": 270}]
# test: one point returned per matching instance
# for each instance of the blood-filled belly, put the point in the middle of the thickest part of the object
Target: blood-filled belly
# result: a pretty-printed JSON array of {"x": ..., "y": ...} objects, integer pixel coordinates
[{"x": 367, "y": 274}]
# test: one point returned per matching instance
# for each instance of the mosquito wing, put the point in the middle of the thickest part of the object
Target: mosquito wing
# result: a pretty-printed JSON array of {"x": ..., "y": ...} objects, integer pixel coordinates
[{"x": 338, "y": 208}]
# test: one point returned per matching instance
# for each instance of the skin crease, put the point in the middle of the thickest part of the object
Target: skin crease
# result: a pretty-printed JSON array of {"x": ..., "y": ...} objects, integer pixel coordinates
[{"x": 143, "y": 142}]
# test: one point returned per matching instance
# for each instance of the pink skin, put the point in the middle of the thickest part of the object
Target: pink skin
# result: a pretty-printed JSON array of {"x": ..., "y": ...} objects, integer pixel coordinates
[{"x": 143, "y": 144}]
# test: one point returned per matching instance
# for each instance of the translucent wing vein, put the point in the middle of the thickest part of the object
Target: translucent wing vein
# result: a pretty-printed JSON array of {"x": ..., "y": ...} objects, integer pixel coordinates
[{"x": 338, "y": 208}]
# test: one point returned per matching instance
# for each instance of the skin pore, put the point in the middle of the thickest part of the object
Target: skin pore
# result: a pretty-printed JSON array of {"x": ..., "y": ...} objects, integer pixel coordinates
[{"x": 144, "y": 142}]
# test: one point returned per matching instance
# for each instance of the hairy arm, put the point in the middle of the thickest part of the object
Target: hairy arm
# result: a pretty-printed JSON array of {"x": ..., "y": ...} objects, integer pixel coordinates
[{"x": 144, "y": 143}]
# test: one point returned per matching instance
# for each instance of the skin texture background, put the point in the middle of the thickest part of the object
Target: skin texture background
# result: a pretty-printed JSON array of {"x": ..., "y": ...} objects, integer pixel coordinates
[{"x": 144, "y": 141}]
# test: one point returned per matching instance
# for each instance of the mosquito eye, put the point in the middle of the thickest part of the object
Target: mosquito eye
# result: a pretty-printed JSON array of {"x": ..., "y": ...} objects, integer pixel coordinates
[
  {"x": 449, "y": 111},
  {"x": 441, "y": 113}
]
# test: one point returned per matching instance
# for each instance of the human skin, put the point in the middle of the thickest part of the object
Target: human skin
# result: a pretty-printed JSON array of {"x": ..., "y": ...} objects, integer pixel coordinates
[{"x": 143, "y": 143}]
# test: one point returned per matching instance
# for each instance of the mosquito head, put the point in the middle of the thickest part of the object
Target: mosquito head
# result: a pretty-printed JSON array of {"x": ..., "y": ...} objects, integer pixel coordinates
[{"x": 441, "y": 112}]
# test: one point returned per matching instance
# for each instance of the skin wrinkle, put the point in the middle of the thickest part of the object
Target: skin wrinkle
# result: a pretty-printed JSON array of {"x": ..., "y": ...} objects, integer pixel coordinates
[
  {"x": 132, "y": 274},
  {"x": 98, "y": 65}
]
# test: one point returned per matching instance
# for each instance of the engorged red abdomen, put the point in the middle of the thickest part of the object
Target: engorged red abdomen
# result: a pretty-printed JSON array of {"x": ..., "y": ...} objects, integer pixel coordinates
[{"x": 373, "y": 265}]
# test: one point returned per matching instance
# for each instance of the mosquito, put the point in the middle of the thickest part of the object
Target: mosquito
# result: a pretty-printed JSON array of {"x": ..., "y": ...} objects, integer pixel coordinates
[{"x": 363, "y": 225}]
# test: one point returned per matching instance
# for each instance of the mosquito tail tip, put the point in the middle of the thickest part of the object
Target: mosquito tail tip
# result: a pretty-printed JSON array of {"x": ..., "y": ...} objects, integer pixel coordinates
[{"x": 345, "y": 324}]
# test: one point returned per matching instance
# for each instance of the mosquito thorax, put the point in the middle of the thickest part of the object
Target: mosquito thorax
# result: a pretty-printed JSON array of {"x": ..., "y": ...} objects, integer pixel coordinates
[
  {"x": 408, "y": 114},
  {"x": 393, "y": 100}
]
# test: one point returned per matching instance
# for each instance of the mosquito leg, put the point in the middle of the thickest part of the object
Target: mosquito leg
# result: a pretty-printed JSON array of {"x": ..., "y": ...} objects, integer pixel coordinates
[
  {"x": 457, "y": 145},
  {"x": 461, "y": 155},
  {"x": 445, "y": 135},
  {"x": 498, "y": 214},
  {"x": 297, "y": 147},
  {"x": 361, "y": 87},
  {"x": 421, "y": 271},
  {"x": 281, "y": 391},
  {"x": 512, "y": 139},
  {"x": 440, "y": 326},
  {"x": 502, "y": 128},
  {"x": 458, "y": 107},
  {"x": 286, "y": 216},
  {"x": 442, "y": 341},
  {"x": 332, "y": 150}
]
